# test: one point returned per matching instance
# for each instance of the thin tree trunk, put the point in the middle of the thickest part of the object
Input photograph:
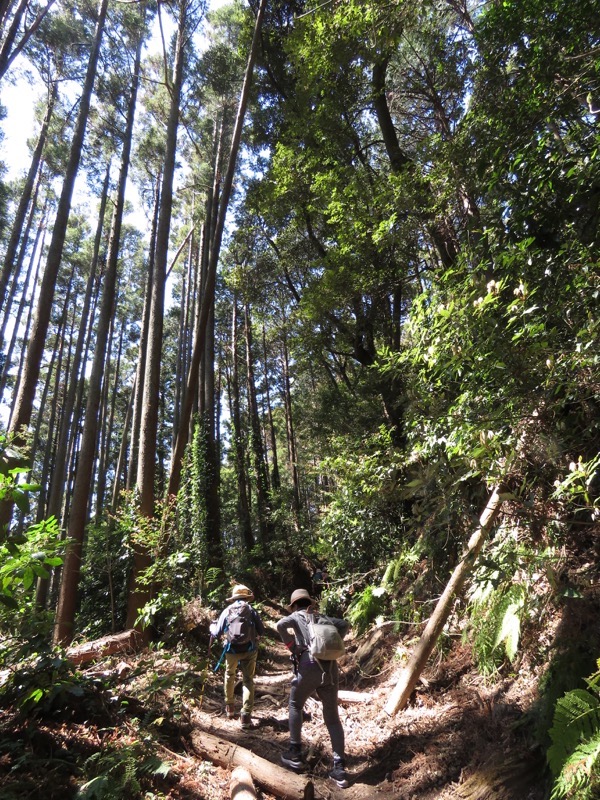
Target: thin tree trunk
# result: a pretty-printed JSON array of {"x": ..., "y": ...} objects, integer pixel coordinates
[
  {"x": 121, "y": 468},
  {"x": 23, "y": 405},
  {"x": 141, "y": 365},
  {"x": 243, "y": 509},
  {"x": 58, "y": 477},
  {"x": 67, "y": 603},
  {"x": 52, "y": 418},
  {"x": 289, "y": 420},
  {"x": 146, "y": 472},
  {"x": 107, "y": 419},
  {"x": 36, "y": 251},
  {"x": 9, "y": 263},
  {"x": 410, "y": 674},
  {"x": 182, "y": 437},
  {"x": 258, "y": 457},
  {"x": 275, "y": 478},
  {"x": 9, "y": 53}
]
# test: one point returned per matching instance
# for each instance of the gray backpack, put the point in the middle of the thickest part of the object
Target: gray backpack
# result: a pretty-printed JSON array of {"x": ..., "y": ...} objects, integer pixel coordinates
[{"x": 325, "y": 642}]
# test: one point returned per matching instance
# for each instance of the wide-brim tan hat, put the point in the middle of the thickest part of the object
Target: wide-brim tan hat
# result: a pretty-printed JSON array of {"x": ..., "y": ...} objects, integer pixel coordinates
[
  {"x": 240, "y": 592},
  {"x": 299, "y": 594}
]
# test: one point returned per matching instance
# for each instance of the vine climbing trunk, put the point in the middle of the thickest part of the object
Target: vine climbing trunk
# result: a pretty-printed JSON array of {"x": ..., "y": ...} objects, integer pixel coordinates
[{"x": 410, "y": 674}]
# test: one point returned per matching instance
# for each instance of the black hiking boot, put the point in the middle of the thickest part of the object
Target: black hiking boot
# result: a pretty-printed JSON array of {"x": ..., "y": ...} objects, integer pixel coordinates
[
  {"x": 246, "y": 720},
  {"x": 339, "y": 774},
  {"x": 292, "y": 759}
]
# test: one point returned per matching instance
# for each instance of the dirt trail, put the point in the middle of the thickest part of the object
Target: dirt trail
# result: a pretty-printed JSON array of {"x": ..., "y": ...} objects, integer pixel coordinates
[{"x": 453, "y": 727}]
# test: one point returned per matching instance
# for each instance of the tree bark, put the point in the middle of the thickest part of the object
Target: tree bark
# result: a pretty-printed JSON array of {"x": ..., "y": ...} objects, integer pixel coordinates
[
  {"x": 24, "y": 300},
  {"x": 411, "y": 673},
  {"x": 9, "y": 263},
  {"x": 24, "y": 401},
  {"x": 125, "y": 642},
  {"x": 147, "y": 456},
  {"x": 141, "y": 365},
  {"x": 257, "y": 449},
  {"x": 275, "y": 477},
  {"x": 182, "y": 437},
  {"x": 289, "y": 421},
  {"x": 67, "y": 604},
  {"x": 243, "y": 507}
]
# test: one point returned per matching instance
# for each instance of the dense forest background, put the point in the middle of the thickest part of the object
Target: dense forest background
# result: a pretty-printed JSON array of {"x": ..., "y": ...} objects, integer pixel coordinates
[{"x": 287, "y": 285}]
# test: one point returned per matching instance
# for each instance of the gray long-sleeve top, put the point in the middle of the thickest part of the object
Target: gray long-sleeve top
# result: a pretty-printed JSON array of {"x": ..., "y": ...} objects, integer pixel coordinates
[{"x": 297, "y": 622}]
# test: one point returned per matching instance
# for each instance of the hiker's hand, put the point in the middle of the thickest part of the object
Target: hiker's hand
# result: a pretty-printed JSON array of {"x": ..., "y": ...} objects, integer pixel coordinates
[{"x": 295, "y": 649}]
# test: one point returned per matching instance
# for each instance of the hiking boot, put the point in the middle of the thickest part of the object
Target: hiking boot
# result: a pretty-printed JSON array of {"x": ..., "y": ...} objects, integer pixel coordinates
[
  {"x": 292, "y": 759},
  {"x": 230, "y": 711},
  {"x": 339, "y": 774},
  {"x": 245, "y": 719}
]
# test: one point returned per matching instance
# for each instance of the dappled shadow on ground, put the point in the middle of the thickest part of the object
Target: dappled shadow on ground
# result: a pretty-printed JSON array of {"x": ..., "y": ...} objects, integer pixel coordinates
[{"x": 457, "y": 735}]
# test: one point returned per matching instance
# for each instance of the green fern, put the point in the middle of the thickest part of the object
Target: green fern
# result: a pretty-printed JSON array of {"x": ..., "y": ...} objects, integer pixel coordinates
[
  {"x": 496, "y": 621},
  {"x": 574, "y": 756},
  {"x": 117, "y": 772},
  {"x": 365, "y": 607}
]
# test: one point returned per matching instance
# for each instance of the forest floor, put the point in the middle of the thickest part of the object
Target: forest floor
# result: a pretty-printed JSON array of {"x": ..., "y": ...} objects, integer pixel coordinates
[{"x": 459, "y": 737}]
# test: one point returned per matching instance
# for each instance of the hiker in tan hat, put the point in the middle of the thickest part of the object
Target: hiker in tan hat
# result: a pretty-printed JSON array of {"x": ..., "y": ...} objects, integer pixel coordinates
[
  {"x": 241, "y": 626},
  {"x": 315, "y": 642}
]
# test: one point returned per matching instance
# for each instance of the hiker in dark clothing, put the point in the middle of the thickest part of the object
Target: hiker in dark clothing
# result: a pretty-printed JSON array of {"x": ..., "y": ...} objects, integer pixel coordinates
[
  {"x": 242, "y": 655},
  {"x": 312, "y": 675}
]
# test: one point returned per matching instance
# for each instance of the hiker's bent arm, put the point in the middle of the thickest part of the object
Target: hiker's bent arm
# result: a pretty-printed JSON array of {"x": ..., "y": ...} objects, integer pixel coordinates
[
  {"x": 283, "y": 629},
  {"x": 219, "y": 626}
]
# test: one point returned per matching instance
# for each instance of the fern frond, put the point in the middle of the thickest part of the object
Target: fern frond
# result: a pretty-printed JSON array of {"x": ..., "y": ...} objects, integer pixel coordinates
[
  {"x": 576, "y": 720},
  {"x": 578, "y": 770},
  {"x": 509, "y": 632}
]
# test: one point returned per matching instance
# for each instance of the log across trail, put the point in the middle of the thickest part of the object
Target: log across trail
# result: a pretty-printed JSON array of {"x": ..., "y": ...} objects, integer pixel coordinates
[{"x": 277, "y": 780}]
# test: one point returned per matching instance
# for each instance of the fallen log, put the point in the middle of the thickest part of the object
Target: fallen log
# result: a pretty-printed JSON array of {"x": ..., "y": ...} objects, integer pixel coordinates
[
  {"x": 241, "y": 785},
  {"x": 345, "y": 696},
  {"x": 128, "y": 641},
  {"x": 276, "y": 780},
  {"x": 411, "y": 673}
]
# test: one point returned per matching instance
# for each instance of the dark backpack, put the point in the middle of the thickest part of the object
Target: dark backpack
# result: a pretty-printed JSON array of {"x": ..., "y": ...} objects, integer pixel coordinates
[{"x": 240, "y": 630}]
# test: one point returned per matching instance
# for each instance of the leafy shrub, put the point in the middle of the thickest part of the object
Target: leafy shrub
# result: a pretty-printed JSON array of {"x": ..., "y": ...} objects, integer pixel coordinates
[{"x": 45, "y": 684}]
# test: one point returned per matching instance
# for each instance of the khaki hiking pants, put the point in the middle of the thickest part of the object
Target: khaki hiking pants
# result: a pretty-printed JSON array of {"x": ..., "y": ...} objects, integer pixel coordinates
[{"x": 247, "y": 664}]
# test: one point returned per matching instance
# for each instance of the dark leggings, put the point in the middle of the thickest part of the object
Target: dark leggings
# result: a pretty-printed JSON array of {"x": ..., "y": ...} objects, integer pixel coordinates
[{"x": 311, "y": 678}]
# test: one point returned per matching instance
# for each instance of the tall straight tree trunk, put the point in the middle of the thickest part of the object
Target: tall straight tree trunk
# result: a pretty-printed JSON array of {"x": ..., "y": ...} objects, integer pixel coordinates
[
  {"x": 8, "y": 52},
  {"x": 208, "y": 421},
  {"x": 258, "y": 456},
  {"x": 215, "y": 249},
  {"x": 52, "y": 417},
  {"x": 146, "y": 471},
  {"x": 275, "y": 479},
  {"x": 23, "y": 406},
  {"x": 57, "y": 485},
  {"x": 289, "y": 421},
  {"x": 121, "y": 467},
  {"x": 243, "y": 507},
  {"x": 36, "y": 252},
  {"x": 103, "y": 446},
  {"x": 67, "y": 602},
  {"x": 141, "y": 365},
  {"x": 28, "y": 321},
  {"x": 106, "y": 450},
  {"x": 8, "y": 265}
]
